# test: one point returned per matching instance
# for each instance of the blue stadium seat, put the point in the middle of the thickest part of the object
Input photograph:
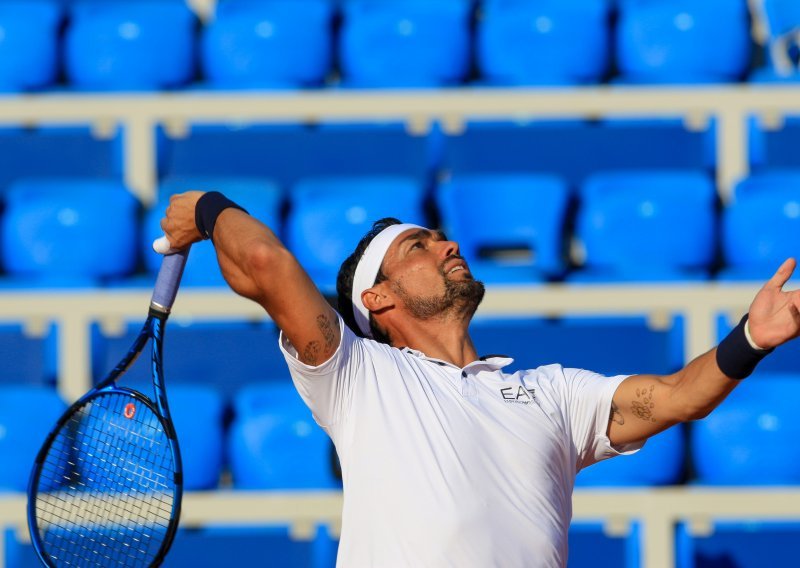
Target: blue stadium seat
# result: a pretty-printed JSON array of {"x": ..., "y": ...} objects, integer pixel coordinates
[
  {"x": 760, "y": 228},
  {"x": 276, "y": 44},
  {"x": 683, "y": 41},
  {"x": 660, "y": 462},
  {"x": 404, "y": 43},
  {"x": 328, "y": 217},
  {"x": 69, "y": 227},
  {"x": 26, "y": 416},
  {"x": 143, "y": 45},
  {"x": 530, "y": 42},
  {"x": 591, "y": 547},
  {"x": 510, "y": 228},
  {"x": 274, "y": 442},
  {"x": 28, "y": 44},
  {"x": 655, "y": 225},
  {"x": 197, "y": 414},
  {"x": 262, "y": 198},
  {"x": 750, "y": 439}
]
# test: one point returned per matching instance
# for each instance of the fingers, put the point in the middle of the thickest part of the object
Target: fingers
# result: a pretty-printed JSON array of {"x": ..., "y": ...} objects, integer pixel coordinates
[{"x": 782, "y": 275}]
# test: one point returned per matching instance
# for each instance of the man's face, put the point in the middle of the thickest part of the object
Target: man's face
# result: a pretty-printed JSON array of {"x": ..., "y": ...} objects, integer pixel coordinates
[{"x": 429, "y": 276}]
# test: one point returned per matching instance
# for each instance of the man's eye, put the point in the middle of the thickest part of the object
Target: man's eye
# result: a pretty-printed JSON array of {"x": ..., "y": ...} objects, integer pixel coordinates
[{"x": 417, "y": 244}]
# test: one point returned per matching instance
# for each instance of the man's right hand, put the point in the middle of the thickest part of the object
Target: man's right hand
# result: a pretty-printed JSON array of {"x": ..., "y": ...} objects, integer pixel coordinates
[{"x": 178, "y": 224}]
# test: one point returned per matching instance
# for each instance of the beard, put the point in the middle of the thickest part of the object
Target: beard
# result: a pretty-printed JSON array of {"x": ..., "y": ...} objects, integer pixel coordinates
[{"x": 460, "y": 298}]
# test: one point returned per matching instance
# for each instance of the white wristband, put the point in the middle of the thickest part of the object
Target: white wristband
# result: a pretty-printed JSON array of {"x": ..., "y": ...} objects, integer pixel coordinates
[{"x": 752, "y": 343}]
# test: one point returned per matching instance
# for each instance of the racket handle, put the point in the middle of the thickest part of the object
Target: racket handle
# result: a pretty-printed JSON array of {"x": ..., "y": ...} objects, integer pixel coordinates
[{"x": 168, "y": 280}]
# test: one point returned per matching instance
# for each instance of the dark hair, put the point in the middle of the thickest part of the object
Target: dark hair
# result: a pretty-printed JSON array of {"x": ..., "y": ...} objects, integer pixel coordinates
[{"x": 344, "y": 280}]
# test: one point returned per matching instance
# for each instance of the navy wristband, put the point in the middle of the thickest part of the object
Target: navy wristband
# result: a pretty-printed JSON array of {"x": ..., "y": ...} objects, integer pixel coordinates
[
  {"x": 736, "y": 358},
  {"x": 208, "y": 208}
]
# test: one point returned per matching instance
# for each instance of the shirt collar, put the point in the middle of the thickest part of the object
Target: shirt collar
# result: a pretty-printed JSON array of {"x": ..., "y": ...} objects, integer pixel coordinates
[{"x": 487, "y": 362}]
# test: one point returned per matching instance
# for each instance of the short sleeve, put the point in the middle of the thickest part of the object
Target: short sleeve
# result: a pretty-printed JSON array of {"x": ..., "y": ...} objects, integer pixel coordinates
[
  {"x": 589, "y": 397},
  {"x": 327, "y": 389}
]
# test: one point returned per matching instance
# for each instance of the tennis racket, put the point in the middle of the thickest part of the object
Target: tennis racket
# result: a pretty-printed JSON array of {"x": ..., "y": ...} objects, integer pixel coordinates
[{"x": 106, "y": 486}]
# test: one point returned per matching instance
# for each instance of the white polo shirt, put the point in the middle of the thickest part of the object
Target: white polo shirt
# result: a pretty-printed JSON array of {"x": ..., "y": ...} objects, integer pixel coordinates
[{"x": 444, "y": 466}]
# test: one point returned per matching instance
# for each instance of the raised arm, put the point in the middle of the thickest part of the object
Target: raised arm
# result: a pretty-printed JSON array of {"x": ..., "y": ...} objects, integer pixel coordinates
[
  {"x": 257, "y": 266},
  {"x": 647, "y": 404}
]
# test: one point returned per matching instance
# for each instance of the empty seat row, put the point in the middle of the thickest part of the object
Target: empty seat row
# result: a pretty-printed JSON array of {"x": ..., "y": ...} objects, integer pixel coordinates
[
  {"x": 629, "y": 226},
  {"x": 394, "y": 43},
  {"x": 273, "y": 442}
]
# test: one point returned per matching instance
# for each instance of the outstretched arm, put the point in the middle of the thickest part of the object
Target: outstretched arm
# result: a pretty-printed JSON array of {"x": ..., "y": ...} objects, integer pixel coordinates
[
  {"x": 644, "y": 405},
  {"x": 257, "y": 266}
]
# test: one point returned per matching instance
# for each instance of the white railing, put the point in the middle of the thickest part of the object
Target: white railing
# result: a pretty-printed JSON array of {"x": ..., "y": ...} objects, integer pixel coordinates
[
  {"x": 139, "y": 114},
  {"x": 73, "y": 311},
  {"x": 658, "y": 510}
]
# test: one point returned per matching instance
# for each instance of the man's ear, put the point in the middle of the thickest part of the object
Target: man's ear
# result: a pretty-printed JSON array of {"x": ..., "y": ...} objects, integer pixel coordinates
[{"x": 377, "y": 299}]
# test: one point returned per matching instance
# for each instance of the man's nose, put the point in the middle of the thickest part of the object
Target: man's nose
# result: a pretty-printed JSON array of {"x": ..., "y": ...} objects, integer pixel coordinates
[{"x": 449, "y": 248}]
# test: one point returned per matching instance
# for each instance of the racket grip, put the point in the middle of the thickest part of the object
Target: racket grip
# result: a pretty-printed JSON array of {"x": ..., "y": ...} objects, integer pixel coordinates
[{"x": 168, "y": 280}]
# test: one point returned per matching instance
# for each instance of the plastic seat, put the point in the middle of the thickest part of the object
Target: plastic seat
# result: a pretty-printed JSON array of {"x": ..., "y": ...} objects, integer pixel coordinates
[
  {"x": 750, "y": 439},
  {"x": 28, "y": 44},
  {"x": 27, "y": 414},
  {"x": 274, "y": 442},
  {"x": 659, "y": 462},
  {"x": 683, "y": 41},
  {"x": 143, "y": 45},
  {"x": 760, "y": 227},
  {"x": 197, "y": 414},
  {"x": 508, "y": 227},
  {"x": 329, "y": 216},
  {"x": 281, "y": 43},
  {"x": 543, "y": 42},
  {"x": 404, "y": 43},
  {"x": 655, "y": 225},
  {"x": 69, "y": 228},
  {"x": 262, "y": 198}
]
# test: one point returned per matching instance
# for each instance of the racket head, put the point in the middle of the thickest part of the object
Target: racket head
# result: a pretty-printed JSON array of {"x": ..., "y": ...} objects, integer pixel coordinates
[{"x": 106, "y": 486}]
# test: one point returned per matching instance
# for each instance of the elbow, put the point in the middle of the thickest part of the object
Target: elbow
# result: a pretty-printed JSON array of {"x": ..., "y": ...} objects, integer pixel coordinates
[{"x": 259, "y": 265}]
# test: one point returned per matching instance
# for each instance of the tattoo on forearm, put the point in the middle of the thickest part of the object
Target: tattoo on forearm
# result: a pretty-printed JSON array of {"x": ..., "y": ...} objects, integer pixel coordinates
[
  {"x": 616, "y": 415},
  {"x": 326, "y": 327},
  {"x": 643, "y": 408},
  {"x": 311, "y": 353}
]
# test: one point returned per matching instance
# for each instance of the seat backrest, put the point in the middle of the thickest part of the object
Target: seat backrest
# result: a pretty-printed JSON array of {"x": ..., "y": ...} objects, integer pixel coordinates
[
  {"x": 537, "y": 42},
  {"x": 760, "y": 227},
  {"x": 647, "y": 220},
  {"x": 404, "y": 42},
  {"x": 496, "y": 213},
  {"x": 27, "y": 414},
  {"x": 269, "y": 44},
  {"x": 660, "y": 462},
  {"x": 28, "y": 44},
  {"x": 132, "y": 45},
  {"x": 683, "y": 40},
  {"x": 274, "y": 442},
  {"x": 328, "y": 217},
  {"x": 197, "y": 413},
  {"x": 69, "y": 227},
  {"x": 751, "y": 438}
]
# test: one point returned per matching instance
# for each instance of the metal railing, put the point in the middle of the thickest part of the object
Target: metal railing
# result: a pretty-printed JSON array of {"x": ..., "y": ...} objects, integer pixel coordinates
[{"x": 138, "y": 114}]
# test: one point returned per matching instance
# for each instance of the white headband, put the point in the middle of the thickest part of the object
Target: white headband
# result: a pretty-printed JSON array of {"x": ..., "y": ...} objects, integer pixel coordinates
[{"x": 368, "y": 268}]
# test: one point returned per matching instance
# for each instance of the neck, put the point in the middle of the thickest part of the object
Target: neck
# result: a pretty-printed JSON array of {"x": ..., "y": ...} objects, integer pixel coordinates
[{"x": 439, "y": 338}]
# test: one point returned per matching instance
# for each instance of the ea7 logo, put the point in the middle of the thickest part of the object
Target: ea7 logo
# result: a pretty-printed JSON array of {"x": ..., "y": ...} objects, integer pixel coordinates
[{"x": 518, "y": 394}]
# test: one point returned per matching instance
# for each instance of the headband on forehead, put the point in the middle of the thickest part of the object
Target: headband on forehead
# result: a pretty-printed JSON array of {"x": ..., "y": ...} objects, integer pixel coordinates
[{"x": 368, "y": 268}]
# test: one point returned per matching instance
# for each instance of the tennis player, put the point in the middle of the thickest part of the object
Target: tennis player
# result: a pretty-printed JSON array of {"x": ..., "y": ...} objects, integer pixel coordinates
[{"x": 448, "y": 458}]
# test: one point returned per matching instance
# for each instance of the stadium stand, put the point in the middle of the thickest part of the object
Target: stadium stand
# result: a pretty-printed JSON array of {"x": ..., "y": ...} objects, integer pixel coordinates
[{"x": 75, "y": 229}]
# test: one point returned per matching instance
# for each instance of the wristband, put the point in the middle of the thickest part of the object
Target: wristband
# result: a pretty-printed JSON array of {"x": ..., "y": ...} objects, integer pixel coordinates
[
  {"x": 736, "y": 358},
  {"x": 208, "y": 208}
]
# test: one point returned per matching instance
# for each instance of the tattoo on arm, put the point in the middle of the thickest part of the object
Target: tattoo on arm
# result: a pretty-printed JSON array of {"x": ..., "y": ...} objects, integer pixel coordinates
[
  {"x": 643, "y": 408},
  {"x": 616, "y": 415},
  {"x": 311, "y": 353},
  {"x": 326, "y": 328}
]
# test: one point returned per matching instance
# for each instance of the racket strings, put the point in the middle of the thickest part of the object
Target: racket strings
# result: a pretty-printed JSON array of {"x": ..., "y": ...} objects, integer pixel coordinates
[{"x": 106, "y": 489}]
